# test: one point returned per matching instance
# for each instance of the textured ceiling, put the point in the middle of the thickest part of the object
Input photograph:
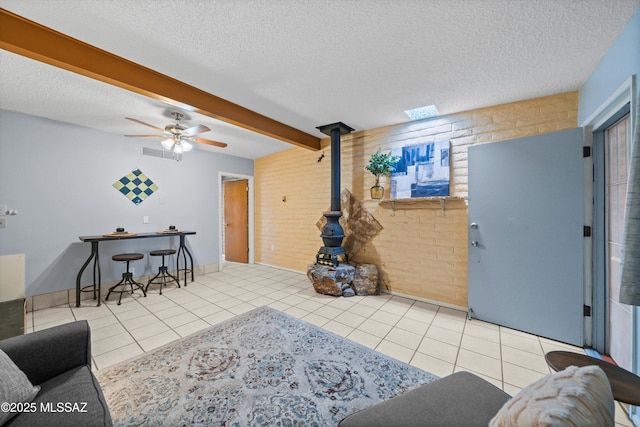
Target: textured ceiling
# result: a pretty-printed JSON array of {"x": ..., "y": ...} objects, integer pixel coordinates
[{"x": 309, "y": 63}]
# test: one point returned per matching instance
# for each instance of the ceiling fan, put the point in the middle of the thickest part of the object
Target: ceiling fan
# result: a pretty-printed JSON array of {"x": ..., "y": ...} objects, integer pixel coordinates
[{"x": 177, "y": 137}]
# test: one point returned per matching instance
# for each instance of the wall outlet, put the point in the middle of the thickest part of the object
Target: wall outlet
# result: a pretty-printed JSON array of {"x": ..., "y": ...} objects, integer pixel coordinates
[
  {"x": 3, "y": 223},
  {"x": 145, "y": 220},
  {"x": 3, "y": 209}
]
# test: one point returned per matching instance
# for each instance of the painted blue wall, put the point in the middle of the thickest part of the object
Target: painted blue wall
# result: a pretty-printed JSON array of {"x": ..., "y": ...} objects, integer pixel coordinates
[
  {"x": 616, "y": 66},
  {"x": 59, "y": 178},
  {"x": 620, "y": 62}
]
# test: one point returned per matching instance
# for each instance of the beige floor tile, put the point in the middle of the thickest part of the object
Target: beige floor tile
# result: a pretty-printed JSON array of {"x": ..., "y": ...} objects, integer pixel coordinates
[
  {"x": 477, "y": 362},
  {"x": 53, "y": 315},
  {"x": 156, "y": 341},
  {"x": 241, "y": 308},
  {"x": 532, "y": 345},
  {"x": 448, "y": 322},
  {"x": 207, "y": 310},
  {"x": 364, "y": 338},
  {"x": 191, "y": 328},
  {"x": 228, "y": 303},
  {"x": 374, "y": 327},
  {"x": 445, "y": 335},
  {"x": 435, "y": 366},
  {"x": 396, "y": 307},
  {"x": 338, "y": 328},
  {"x": 511, "y": 389},
  {"x": 315, "y": 319},
  {"x": 309, "y": 305},
  {"x": 107, "y": 331},
  {"x": 404, "y": 338},
  {"x": 479, "y": 345},
  {"x": 221, "y": 316},
  {"x": 133, "y": 314},
  {"x": 169, "y": 312},
  {"x": 525, "y": 359},
  {"x": 376, "y": 301},
  {"x": 197, "y": 303},
  {"x": 519, "y": 376},
  {"x": 296, "y": 312},
  {"x": 328, "y": 312},
  {"x": 90, "y": 313},
  {"x": 350, "y": 319},
  {"x": 110, "y": 343},
  {"x": 180, "y": 319},
  {"x": 293, "y": 300},
  {"x": 396, "y": 351},
  {"x": 116, "y": 356},
  {"x": 621, "y": 417},
  {"x": 362, "y": 310},
  {"x": 439, "y": 350},
  {"x": 102, "y": 322},
  {"x": 474, "y": 329},
  {"x": 412, "y": 325},
  {"x": 385, "y": 317},
  {"x": 140, "y": 321},
  {"x": 149, "y": 330},
  {"x": 62, "y": 321}
]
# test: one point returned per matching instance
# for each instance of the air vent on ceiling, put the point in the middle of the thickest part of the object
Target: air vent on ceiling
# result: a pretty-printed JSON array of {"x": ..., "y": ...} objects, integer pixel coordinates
[{"x": 161, "y": 154}]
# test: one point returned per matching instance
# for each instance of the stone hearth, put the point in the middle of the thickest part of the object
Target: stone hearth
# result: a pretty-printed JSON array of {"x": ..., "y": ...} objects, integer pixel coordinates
[{"x": 347, "y": 279}]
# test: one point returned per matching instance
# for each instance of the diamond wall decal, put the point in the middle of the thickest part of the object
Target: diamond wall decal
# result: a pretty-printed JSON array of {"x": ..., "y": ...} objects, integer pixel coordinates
[{"x": 135, "y": 186}]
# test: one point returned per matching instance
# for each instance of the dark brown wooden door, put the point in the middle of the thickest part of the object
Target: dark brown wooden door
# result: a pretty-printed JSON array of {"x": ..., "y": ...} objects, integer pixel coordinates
[{"x": 236, "y": 223}]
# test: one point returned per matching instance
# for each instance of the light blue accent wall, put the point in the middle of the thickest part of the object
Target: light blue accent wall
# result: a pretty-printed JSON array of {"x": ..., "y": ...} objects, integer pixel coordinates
[
  {"x": 59, "y": 178},
  {"x": 620, "y": 62}
]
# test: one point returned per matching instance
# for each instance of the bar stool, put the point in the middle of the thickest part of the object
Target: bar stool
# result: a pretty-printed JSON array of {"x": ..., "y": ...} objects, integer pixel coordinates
[
  {"x": 127, "y": 277},
  {"x": 163, "y": 272}
]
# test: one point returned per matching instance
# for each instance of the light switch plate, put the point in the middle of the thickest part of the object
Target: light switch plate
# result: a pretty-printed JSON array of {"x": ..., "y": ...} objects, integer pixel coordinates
[
  {"x": 3, "y": 209},
  {"x": 3, "y": 223},
  {"x": 145, "y": 220}
]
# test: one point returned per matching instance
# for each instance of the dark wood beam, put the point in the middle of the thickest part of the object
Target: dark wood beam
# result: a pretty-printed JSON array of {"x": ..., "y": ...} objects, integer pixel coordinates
[{"x": 35, "y": 41}]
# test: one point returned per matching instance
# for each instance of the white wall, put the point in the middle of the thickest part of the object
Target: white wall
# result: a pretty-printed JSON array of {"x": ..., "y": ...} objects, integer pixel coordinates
[{"x": 59, "y": 178}]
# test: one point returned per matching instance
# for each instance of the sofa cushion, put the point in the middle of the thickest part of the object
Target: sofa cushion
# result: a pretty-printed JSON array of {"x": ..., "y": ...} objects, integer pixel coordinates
[
  {"x": 574, "y": 396},
  {"x": 460, "y": 399},
  {"x": 15, "y": 388},
  {"x": 73, "y": 398}
]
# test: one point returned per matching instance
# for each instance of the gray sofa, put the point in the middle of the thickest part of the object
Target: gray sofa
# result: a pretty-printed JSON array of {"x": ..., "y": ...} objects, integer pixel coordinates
[
  {"x": 58, "y": 359},
  {"x": 460, "y": 399}
]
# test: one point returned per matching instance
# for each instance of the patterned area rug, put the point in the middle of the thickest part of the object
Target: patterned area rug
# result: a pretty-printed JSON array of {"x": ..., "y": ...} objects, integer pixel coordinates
[{"x": 262, "y": 368}]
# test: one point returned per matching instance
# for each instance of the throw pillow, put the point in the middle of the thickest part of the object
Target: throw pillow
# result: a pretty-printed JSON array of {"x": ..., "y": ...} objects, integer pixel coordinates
[
  {"x": 15, "y": 388},
  {"x": 574, "y": 396}
]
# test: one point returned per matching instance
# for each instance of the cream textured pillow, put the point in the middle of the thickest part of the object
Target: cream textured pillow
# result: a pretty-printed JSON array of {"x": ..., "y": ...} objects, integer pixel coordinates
[
  {"x": 572, "y": 397},
  {"x": 15, "y": 387}
]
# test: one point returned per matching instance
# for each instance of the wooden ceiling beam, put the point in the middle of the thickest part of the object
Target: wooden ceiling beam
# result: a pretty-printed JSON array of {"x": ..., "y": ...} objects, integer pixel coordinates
[{"x": 35, "y": 41}]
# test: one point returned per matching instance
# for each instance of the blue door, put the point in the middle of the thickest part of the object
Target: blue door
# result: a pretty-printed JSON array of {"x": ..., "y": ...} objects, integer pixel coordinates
[{"x": 526, "y": 234}]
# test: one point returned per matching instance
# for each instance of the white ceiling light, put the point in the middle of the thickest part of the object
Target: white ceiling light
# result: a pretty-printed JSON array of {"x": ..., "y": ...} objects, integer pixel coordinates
[{"x": 422, "y": 112}]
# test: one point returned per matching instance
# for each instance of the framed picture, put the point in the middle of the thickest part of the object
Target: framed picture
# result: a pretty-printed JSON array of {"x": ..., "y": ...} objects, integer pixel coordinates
[{"x": 423, "y": 171}]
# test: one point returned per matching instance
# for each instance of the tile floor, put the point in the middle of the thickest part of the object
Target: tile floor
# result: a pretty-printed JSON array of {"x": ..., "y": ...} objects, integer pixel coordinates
[{"x": 436, "y": 339}]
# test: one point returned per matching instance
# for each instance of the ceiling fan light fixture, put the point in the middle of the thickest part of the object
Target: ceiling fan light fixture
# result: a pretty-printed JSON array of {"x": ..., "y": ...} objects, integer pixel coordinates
[
  {"x": 167, "y": 143},
  {"x": 177, "y": 148},
  {"x": 186, "y": 146}
]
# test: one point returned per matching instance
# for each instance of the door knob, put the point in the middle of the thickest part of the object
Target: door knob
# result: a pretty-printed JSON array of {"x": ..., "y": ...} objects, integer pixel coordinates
[
  {"x": 474, "y": 225},
  {"x": 474, "y": 243}
]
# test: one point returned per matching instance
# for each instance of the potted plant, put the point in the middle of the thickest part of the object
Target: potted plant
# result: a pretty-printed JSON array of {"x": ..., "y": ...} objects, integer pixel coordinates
[{"x": 380, "y": 164}]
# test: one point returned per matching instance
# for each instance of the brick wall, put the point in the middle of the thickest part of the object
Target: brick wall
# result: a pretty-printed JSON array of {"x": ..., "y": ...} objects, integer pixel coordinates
[{"x": 422, "y": 250}]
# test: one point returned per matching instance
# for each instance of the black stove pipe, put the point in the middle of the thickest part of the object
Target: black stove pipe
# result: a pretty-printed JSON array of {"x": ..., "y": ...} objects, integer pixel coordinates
[{"x": 335, "y": 130}]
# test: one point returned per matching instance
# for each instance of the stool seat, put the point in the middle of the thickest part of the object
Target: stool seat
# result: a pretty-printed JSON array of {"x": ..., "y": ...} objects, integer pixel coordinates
[
  {"x": 127, "y": 257},
  {"x": 162, "y": 252},
  {"x": 127, "y": 277}
]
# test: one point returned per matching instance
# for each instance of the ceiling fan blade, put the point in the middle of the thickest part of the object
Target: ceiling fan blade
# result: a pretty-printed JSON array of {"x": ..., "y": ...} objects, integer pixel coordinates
[
  {"x": 148, "y": 136},
  {"x": 143, "y": 123},
  {"x": 195, "y": 130},
  {"x": 209, "y": 142}
]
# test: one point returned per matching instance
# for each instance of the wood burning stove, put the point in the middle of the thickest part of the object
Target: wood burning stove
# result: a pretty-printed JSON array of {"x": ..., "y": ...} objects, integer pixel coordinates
[{"x": 333, "y": 233}]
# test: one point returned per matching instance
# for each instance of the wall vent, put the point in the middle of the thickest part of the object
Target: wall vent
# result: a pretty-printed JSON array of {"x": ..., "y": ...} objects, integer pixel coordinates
[{"x": 161, "y": 154}]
